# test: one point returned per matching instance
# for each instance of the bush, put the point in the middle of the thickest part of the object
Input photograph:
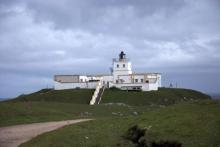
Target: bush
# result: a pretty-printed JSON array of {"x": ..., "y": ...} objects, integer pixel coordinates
[
  {"x": 142, "y": 142},
  {"x": 136, "y": 135}
]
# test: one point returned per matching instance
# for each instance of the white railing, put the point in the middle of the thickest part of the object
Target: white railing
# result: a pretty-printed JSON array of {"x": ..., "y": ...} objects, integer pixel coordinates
[
  {"x": 95, "y": 95},
  {"x": 101, "y": 94}
]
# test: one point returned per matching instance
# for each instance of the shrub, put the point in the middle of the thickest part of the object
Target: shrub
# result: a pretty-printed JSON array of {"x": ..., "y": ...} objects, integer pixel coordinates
[
  {"x": 142, "y": 142},
  {"x": 135, "y": 134}
]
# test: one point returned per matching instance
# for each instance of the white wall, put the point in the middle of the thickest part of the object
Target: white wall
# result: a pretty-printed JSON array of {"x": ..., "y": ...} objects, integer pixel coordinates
[
  {"x": 153, "y": 86},
  {"x": 159, "y": 80},
  {"x": 116, "y": 74},
  {"x": 108, "y": 78},
  {"x": 121, "y": 67},
  {"x": 93, "y": 77},
  {"x": 125, "y": 78},
  {"x": 61, "y": 86},
  {"x": 145, "y": 86},
  {"x": 92, "y": 85},
  {"x": 121, "y": 70},
  {"x": 83, "y": 78},
  {"x": 139, "y": 77}
]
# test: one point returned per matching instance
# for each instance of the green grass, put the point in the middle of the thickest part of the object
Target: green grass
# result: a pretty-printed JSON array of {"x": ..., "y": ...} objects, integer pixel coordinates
[
  {"x": 164, "y": 96},
  {"x": 12, "y": 113},
  {"x": 76, "y": 96},
  {"x": 50, "y": 105},
  {"x": 195, "y": 124},
  {"x": 184, "y": 115}
]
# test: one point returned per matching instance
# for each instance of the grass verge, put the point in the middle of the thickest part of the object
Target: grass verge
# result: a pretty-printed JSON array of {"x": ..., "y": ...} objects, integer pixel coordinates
[{"x": 194, "y": 124}]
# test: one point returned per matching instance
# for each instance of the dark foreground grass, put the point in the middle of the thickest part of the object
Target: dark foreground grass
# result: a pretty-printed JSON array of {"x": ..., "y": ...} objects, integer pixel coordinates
[{"x": 194, "y": 124}]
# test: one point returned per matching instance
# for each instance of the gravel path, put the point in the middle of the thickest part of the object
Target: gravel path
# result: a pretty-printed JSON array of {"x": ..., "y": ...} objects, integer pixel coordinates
[{"x": 13, "y": 136}]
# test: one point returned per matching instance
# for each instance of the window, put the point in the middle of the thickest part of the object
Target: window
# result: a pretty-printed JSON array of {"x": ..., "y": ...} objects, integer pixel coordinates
[
  {"x": 142, "y": 80},
  {"x": 117, "y": 81},
  {"x": 136, "y": 80},
  {"x": 117, "y": 65},
  {"x": 124, "y": 65},
  {"x": 147, "y": 81},
  {"x": 81, "y": 80}
]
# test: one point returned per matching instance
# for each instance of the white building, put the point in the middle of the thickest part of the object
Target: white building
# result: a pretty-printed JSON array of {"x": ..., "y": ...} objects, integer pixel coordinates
[{"x": 121, "y": 77}]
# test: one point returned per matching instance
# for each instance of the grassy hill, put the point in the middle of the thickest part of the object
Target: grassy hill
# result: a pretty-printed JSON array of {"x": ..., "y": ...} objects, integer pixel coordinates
[
  {"x": 12, "y": 113},
  {"x": 194, "y": 124},
  {"x": 50, "y": 105},
  {"x": 164, "y": 96},
  {"x": 187, "y": 116},
  {"x": 76, "y": 96}
]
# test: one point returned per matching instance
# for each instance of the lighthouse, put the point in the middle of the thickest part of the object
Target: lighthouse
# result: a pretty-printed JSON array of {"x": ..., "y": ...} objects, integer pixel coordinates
[
  {"x": 121, "y": 77},
  {"x": 121, "y": 66}
]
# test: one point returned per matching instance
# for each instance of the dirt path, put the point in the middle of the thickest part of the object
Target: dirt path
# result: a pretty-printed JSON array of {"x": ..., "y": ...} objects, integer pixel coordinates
[{"x": 13, "y": 136}]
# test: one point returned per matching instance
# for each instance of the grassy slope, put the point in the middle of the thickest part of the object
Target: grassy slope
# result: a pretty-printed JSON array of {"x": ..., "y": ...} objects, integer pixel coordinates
[
  {"x": 45, "y": 105},
  {"x": 197, "y": 120},
  {"x": 12, "y": 113},
  {"x": 49, "y": 105},
  {"x": 76, "y": 96},
  {"x": 164, "y": 96},
  {"x": 195, "y": 124}
]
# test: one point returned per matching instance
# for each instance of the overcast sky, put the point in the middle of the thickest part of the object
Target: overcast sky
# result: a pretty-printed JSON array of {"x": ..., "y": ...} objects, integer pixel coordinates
[{"x": 41, "y": 38}]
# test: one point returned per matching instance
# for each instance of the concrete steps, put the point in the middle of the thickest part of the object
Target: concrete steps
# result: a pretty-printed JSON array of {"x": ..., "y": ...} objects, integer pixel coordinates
[
  {"x": 99, "y": 96},
  {"x": 96, "y": 98}
]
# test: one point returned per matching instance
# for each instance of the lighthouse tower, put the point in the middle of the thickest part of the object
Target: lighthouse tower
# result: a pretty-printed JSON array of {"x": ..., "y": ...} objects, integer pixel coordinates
[{"x": 121, "y": 66}]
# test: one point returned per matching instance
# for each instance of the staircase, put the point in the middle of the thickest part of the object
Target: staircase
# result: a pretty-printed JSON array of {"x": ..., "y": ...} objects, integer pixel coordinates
[
  {"x": 96, "y": 98},
  {"x": 99, "y": 97}
]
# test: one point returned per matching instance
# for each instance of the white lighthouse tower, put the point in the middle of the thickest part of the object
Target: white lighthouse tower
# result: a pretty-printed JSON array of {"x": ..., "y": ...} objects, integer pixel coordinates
[{"x": 121, "y": 66}]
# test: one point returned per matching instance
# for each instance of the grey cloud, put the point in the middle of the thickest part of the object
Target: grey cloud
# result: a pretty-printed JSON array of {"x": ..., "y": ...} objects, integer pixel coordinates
[
  {"x": 41, "y": 38},
  {"x": 107, "y": 17}
]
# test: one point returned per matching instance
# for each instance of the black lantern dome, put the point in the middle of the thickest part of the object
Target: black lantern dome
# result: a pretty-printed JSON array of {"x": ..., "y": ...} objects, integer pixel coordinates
[{"x": 122, "y": 55}]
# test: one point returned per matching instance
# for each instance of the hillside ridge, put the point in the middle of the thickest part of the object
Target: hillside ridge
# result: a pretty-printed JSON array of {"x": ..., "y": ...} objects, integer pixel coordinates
[{"x": 164, "y": 96}]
